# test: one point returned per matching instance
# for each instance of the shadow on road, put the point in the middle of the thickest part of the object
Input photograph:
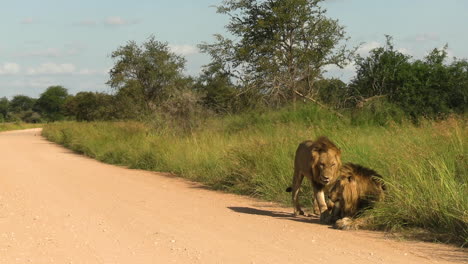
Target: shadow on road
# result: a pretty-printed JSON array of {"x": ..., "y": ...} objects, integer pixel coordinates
[
  {"x": 446, "y": 252},
  {"x": 275, "y": 214}
]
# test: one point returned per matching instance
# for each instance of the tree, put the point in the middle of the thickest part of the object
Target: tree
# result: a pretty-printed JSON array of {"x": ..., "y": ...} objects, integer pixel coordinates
[
  {"x": 150, "y": 71},
  {"x": 278, "y": 44},
  {"x": 30, "y": 117},
  {"x": 51, "y": 102},
  {"x": 217, "y": 89},
  {"x": 332, "y": 92},
  {"x": 428, "y": 87},
  {"x": 21, "y": 103},
  {"x": 458, "y": 86},
  {"x": 380, "y": 73},
  {"x": 90, "y": 106},
  {"x": 129, "y": 104},
  {"x": 433, "y": 87},
  {"x": 4, "y": 105}
]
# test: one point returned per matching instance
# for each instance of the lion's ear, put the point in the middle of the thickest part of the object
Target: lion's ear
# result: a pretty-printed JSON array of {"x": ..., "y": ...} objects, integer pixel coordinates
[{"x": 319, "y": 147}]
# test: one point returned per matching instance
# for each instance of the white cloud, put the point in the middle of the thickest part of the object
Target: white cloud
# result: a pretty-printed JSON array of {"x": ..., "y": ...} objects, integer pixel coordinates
[
  {"x": 450, "y": 54},
  {"x": 86, "y": 71},
  {"x": 364, "y": 49},
  {"x": 28, "y": 20},
  {"x": 118, "y": 21},
  {"x": 9, "y": 68},
  {"x": 60, "y": 69},
  {"x": 184, "y": 49},
  {"x": 52, "y": 68},
  {"x": 405, "y": 51},
  {"x": 115, "y": 21},
  {"x": 350, "y": 68}
]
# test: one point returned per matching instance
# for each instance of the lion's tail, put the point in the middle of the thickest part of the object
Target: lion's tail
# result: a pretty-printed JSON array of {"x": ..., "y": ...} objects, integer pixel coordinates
[{"x": 289, "y": 189}]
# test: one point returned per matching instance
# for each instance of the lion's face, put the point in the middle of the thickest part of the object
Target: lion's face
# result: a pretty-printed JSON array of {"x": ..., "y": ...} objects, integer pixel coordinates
[{"x": 328, "y": 164}]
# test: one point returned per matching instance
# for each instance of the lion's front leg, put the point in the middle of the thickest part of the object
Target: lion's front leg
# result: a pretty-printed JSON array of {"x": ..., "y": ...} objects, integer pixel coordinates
[
  {"x": 320, "y": 200},
  {"x": 316, "y": 206}
]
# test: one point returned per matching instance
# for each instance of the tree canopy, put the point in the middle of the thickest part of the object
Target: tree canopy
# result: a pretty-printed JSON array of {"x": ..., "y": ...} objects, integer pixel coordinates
[
  {"x": 428, "y": 87},
  {"x": 51, "y": 102},
  {"x": 22, "y": 103},
  {"x": 277, "y": 44},
  {"x": 90, "y": 106},
  {"x": 150, "y": 71}
]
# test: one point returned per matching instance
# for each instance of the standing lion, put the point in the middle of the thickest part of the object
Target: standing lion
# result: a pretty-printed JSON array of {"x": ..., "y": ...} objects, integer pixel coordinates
[
  {"x": 319, "y": 161},
  {"x": 356, "y": 189}
]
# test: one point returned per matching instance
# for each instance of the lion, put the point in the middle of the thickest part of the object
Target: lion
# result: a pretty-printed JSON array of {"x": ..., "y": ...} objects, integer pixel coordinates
[
  {"x": 319, "y": 161},
  {"x": 356, "y": 189}
]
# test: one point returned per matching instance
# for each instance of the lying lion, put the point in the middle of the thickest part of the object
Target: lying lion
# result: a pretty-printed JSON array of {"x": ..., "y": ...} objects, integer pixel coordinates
[
  {"x": 320, "y": 162},
  {"x": 356, "y": 189}
]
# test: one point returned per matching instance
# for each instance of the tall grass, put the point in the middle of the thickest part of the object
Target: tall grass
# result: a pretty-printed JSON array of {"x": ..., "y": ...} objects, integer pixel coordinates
[
  {"x": 17, "y": 126},
  {"x": 425, "y": 166}
]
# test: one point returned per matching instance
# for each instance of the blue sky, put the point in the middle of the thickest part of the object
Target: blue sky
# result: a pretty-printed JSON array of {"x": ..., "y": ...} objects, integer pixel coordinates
[{"x": 52, "y": 42}]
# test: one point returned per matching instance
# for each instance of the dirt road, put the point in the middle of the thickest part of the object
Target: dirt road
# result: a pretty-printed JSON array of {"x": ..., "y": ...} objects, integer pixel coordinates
[{"x": 59, "y": 207}]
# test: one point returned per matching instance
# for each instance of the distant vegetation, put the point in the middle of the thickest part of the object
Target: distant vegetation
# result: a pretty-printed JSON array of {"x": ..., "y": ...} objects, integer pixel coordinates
[
  {"x": 16, "y": 126},
  {"x": 236, "y": 125},
  {"x": 389, "y": 85},
  {"x": 277, "y": 56}
]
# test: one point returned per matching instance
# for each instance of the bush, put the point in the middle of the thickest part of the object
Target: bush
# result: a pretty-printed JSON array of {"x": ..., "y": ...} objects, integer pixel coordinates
[
  {"x": 429, "y": 88},
  {"x": 378, "y": 112}
]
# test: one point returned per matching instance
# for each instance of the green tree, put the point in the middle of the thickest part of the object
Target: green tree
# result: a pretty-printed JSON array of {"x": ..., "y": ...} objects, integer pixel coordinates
[
  {"x": 278, "y": 43},
  {"x": 383, "y": 72},
  {"x": 90, "y": 106},
  {"x": 151, "y": 72},
  {"x": 429, "y": 87},
  {"x": 51, "y": 102},
  {"x": 21, "y": 103},
  {"x": 458, "y": 86},
  {"x": 129, "y": 104},
  {"x": 217, "y": 89},
  {"x": 30, "y": 117},
  {"x": 4, "y": 105},
  {"x": 332, "y": 92},
  {"x": 434, "y": 88}
]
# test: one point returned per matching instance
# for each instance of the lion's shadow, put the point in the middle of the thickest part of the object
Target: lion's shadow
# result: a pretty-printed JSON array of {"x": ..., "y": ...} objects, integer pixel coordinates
[{"x": 275, "y": 214}]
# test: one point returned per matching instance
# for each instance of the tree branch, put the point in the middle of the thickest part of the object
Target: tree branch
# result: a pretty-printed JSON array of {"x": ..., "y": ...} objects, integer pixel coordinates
[{"x": 319, "y": 104}]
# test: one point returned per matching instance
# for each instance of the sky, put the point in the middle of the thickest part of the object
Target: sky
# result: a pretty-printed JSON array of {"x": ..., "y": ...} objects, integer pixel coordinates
[{"x": 68, "y": 43}]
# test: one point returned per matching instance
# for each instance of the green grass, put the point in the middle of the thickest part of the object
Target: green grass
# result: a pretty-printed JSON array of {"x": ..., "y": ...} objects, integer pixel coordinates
[
  {"x": 17, "y": 126},
  {"x": 425, "y": 166}
]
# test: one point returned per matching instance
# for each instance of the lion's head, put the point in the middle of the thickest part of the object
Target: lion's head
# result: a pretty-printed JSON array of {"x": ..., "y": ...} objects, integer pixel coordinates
[
  {"x": 356, "y": 188},
  {"x": 344, "y": 195},
  {"x": 326, "y": 160}
]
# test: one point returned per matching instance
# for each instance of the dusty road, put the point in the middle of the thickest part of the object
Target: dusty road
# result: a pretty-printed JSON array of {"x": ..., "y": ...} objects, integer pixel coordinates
[{"x": 59, "y": 207}]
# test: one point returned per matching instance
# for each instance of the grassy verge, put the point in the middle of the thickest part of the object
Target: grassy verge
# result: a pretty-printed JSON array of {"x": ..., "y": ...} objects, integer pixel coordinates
[
  {"x": 17, "y": 126},
  {"x": 425, "y": 166}
]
